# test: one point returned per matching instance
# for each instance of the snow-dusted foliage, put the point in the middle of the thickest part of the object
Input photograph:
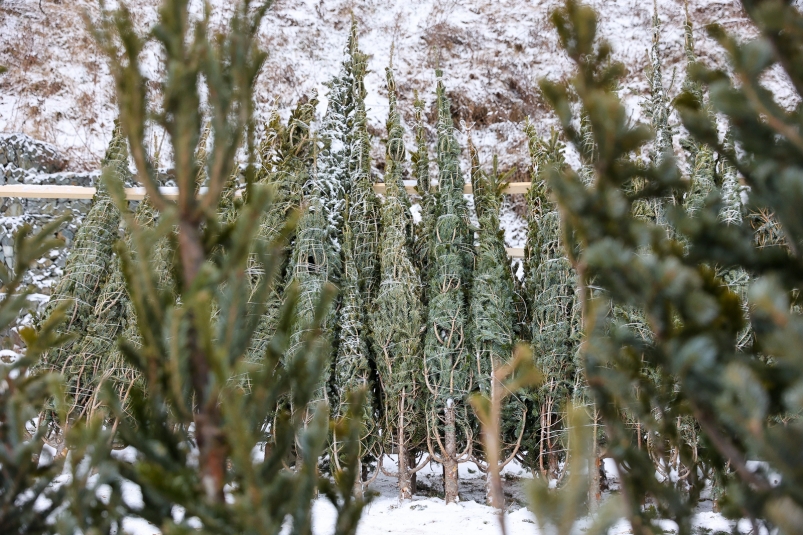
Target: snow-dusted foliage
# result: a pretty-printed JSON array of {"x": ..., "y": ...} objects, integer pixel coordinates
[
  {"x": 447, "y": 349},
  {"x": 397, "y": 315}
]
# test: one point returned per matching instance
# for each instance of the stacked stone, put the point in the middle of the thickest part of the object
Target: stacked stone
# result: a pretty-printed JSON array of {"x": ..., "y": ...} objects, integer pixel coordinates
[
  {"x": 25, "y": 153},
  {"x": 24, "y": 160}
]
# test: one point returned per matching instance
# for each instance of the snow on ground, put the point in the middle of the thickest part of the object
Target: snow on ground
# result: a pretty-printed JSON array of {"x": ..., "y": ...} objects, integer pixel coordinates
[{"x": 427, "y": 514}]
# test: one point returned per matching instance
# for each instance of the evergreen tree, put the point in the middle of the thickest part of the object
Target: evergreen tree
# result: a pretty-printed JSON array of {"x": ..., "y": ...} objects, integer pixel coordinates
[
  {"x": 657, "y": 110},
  {"x": 316, "y": 258},
  {"x": 352, "y": 369},
  {"x": 396, "y": 318},
  {"x": 314, "y": 266},
  {"x": 699, "y": 156},
  {"x": 735, "y": 395},
  {"x": 28, "y": 495},
  {"x": 286, "y": 160},
  {"x": 447, "y": 350},
  {"x": 428, "y": 198},
  {"x": 97, "y": 359},
  {"x": 731, "y": 212},
  {"x": 551, "y": 292},
  {"x": 88, "y": 266},
  {"x": 363, "y": 205},
  {"x": 492, "y": 310},
  {"x": 336, "y": 165},
  {"x": 656, "y": 107}
]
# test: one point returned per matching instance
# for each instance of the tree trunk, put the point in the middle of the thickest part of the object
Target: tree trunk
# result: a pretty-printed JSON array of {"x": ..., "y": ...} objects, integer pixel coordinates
[
  {"x": 594, "y": 491},
  {"x": 413, "y": 482},
  {"x": 489, "y": 489},
  {"x": 405, "y": 483},
  {"x": 543, "y": 445},
  {"x": 358, "y": 479},
  {"x": 450, "y": 481}
]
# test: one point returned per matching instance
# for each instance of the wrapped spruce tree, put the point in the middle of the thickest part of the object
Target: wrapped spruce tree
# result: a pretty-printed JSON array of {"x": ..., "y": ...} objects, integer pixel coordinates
[
  {"x": 551, "y": 297},
  {"x": 428, "y": 198},
  {"x": 493, "y": 314},
  {"x": 97, "y": 359},
  {"x": 363, "y": 205},
  {"x": 397, "y": 316},
  {"x": 316, "y": 256},
  {"x": 88, "y": 266},
  {"x": 447, "y": 346},
  {"x": 700, "y": 158},
  {"x": 336, "y": 165},
  {"x": 352, "y": 366},
  {"x": 286, "y": 159},
  {"x": 315, "y": 265}
]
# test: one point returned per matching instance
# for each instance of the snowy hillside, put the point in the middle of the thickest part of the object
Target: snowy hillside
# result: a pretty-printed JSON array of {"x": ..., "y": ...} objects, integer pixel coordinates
[{"x": 57, "y": 87}]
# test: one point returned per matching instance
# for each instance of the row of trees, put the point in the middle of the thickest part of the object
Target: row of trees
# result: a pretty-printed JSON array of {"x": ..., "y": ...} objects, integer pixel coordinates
[
  {"x": 425, "y": 315},
  {"x": 251, "y": 322}
]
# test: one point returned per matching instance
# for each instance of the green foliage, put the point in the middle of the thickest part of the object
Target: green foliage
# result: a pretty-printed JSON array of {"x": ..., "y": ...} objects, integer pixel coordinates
[
  {"x": 491, "y": 307},
  {"x": 447, "y": 347},
  {"x": 555, "y": 315},
  {"x": 764, "y": 147},
  {"x": 363, "y": 205},
  {"x": 428, "y": 198},
  {"x": 28, "y": 497},
  {"x": 286, "y": 160},
  {"x": 96, "y": 358},
  {"x": 735, "y": 396},
  {"x": 352, "y": 370},
  {"x": 397, "y": 314},
  {"x": 314, "y": 266},
  {"x": 699, "y": 156},
  {"x": 447, "y": 344},
  {"x": 200, "y": 440},
  {"x": 88, "y": 267}
]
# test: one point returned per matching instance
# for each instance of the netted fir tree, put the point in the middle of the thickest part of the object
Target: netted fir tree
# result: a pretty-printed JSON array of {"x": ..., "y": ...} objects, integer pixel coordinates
[
  {"x": 555, "y": 327},
  {"x": 315, "y": 259},
  {"x": 352, "y": 365},
  {"x": 315, "y": 264},
  {"x": 89, "y": 264},
  {"x": 493, "y": 314},
  {"x": 397, "y": 315},
  {"x": 700, "y": 158},
  {"x": 447, "y": 344},
  {"x": 97, "y": 359},
  {"x": 428, "y": 198},
  {"x": 338, "y": 137},
  {"x": 582, "y": 395},
  {"x": 362, "y": 203},
  {"x": 657, "y": 109},
  {"x": 285, "y": 155}
]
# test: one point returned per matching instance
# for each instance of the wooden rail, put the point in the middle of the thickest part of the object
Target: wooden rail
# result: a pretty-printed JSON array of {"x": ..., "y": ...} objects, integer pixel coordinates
[{"x": 30, "y": 191}]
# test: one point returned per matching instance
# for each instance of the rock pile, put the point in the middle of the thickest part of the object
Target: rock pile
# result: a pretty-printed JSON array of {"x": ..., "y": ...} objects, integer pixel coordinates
[{"x": 24, "y": 160}]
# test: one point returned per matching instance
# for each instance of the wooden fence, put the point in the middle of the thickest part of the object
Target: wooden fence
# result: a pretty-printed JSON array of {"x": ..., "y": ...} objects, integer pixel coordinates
[{"x": 30, "y": 191}]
